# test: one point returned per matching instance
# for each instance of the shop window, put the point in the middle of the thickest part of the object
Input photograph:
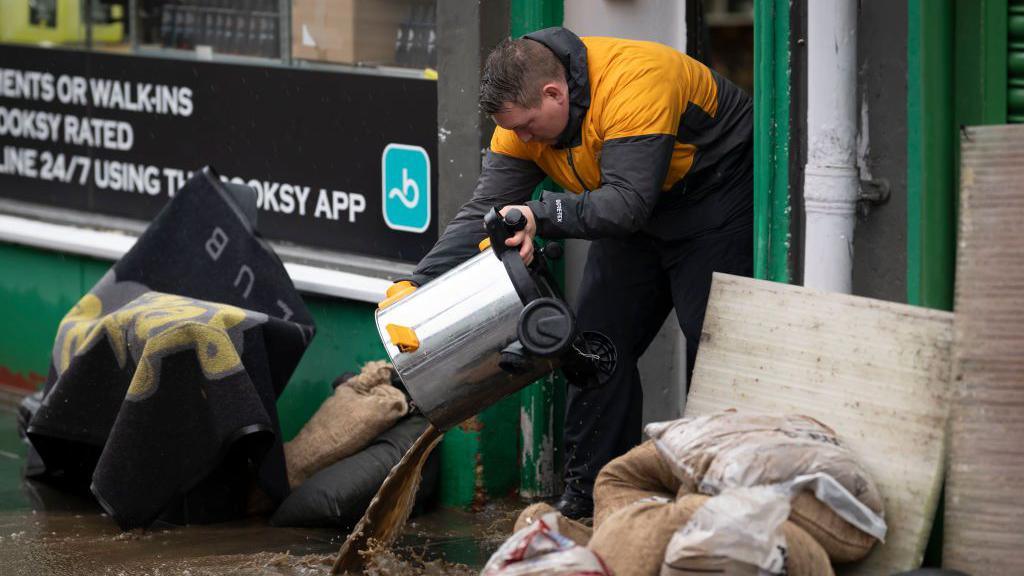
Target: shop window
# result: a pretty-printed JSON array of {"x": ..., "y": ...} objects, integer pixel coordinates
[
  {"x": 107, "y": 107},
  {"x": 391, "y": 36},
  {"x": 730, "y": 29},
  {"x": 212, "y": 28}
]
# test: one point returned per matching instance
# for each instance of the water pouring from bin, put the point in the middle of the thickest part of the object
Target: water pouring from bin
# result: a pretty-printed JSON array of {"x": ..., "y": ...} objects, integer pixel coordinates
[{"x": 464, "y": 341}]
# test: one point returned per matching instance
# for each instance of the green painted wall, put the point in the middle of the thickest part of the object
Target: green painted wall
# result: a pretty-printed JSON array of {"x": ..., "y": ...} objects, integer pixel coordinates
[
  {"x": 346, "y": 338},
  {"x": 36, "y": 290},
  {"x": 479, "y": 458}
]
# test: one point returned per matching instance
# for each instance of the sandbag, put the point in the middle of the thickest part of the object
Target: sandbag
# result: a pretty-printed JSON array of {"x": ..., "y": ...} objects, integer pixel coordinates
[
  {"x": 576, "y": 531},
  {"x": 642, "y": 473},
  {"x": 637, "y": 474},
  {"x": 805, "y": 557},
  {"x": 840, "y": 540},
  {"x": 338, "y": 495},
  {"x": 360, "y": 409},
  {"x": 730, "y": 449},
  {"x": 632, "y": 539}
]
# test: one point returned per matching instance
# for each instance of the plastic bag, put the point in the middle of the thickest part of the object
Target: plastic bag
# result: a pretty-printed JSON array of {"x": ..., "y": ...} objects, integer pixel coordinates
[
  {"x": 838, "y": 498},
  {"x": 726, "y": 450},
  {"x": 539, "y": 548},
  {"x": 740, "y": 524}
]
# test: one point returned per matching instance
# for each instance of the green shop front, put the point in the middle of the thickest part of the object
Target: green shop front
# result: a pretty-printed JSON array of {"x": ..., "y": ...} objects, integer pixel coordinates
[{"x": 329, "y": 111}]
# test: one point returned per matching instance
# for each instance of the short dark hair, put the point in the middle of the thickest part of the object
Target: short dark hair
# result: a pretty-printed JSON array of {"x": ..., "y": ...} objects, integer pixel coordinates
[{"x": 515, "y": 71}]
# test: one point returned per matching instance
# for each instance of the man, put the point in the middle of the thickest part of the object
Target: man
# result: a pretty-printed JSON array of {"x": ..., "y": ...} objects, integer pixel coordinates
[{"x": 655, "y": 153}]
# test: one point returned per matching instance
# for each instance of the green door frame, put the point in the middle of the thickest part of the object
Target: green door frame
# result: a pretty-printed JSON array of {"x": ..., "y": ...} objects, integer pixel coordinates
[
  {"x": 772, "y": 91},
  {"x": 1014, "y": 69},
  {"x": 956, "y": 76},
  {"x": 930, "y": 155}
]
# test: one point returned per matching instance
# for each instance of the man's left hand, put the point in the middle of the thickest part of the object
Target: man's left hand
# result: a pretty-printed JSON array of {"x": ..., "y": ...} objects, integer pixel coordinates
[{"x": 524, "y": 237}]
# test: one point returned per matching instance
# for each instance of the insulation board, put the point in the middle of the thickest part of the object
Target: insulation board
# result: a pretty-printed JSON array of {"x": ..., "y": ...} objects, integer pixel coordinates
[
  {"x": 985, "y": 485},
  {"x": 877, "y": 372}
]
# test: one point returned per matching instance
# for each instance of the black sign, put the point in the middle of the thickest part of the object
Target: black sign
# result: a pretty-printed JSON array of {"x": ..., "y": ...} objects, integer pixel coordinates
[{"x": 345, "y": 162}]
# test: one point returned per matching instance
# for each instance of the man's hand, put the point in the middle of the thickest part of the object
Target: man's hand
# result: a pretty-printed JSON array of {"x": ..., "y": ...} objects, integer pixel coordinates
[{"x": 524, "y": 237}]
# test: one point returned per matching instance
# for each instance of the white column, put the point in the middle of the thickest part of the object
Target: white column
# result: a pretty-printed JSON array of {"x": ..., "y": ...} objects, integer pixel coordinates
[{"x": 831, "y": 182}]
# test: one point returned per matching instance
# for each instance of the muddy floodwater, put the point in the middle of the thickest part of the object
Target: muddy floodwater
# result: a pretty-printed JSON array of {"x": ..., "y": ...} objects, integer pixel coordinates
[{"x": 45, "y": 532}]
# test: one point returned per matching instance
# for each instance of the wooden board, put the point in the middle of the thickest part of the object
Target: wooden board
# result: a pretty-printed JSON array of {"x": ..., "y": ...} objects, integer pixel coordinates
[
  {"x": 876, "y": 372},
  {"x": 985, "y": 485}
]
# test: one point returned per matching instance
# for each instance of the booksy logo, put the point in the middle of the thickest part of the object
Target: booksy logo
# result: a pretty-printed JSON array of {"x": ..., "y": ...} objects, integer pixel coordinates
[{"x": 405, "y": 187}]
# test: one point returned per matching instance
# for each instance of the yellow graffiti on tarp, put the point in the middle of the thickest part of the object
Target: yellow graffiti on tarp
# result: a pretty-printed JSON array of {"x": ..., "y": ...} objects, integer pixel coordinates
[
  {"x": 159, "y": 324},
  {"x": 75, "y": 327}
]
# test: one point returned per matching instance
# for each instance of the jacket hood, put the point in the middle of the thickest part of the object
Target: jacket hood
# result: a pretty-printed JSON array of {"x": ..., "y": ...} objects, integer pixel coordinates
[{"x": 572, "y": 53}]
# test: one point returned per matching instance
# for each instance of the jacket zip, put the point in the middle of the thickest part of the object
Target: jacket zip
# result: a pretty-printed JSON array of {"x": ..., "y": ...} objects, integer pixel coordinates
[{"x": 575, "y": 173}]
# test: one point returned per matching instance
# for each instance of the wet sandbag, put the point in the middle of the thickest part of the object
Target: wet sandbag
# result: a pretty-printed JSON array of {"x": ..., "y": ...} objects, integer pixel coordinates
[
  {"x": 632, "y": 540},
  {"x": 360, "y": 409},
  {"x": 576, "y": 531},
  {"x": 804, "y": 557},
  {"x": 730, "y": 449},
  {"x": 636, "y": 539},
  {"x": 741, "y": 532},
  {"x": 643, "y": 473},
  {"x": 338, "y": 495},
  {"x": 841, "y": 540},
  {"x": 637, "y": 474}
]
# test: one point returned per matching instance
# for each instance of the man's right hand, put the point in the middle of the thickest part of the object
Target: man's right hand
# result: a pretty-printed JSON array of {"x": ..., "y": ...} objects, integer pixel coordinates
[{"x": 523, "y": 238}]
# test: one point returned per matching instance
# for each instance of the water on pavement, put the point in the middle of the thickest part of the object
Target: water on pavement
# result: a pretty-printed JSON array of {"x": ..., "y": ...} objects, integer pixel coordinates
[{"x": 47, "y": 532}]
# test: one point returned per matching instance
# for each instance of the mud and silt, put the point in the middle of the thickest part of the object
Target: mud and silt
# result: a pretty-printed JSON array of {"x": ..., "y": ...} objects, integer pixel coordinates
[
  {"x": 47, "y": 532},
  {"x": 82, "y": 541},
  {"x": 70, "y": 536}
]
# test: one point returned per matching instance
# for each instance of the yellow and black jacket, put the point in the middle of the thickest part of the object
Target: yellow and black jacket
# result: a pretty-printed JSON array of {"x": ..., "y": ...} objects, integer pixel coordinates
[{"x": 646, "y": 123}]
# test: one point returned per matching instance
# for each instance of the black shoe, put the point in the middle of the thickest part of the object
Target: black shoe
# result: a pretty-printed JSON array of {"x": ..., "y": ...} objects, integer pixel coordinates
[{"x": 575, "y": 506}]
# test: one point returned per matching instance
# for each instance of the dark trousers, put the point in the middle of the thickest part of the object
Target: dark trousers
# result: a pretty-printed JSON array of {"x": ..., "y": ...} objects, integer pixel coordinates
[{"x": 628, "y": 288}]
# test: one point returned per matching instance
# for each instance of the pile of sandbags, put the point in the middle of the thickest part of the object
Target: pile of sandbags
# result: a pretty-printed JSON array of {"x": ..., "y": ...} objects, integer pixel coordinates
[
  {"x": 361, "y": 409},
  {"x": 731, "y": 494},
  {"x": 832, "y": 493},
  {"x": 340, "y": 458}
]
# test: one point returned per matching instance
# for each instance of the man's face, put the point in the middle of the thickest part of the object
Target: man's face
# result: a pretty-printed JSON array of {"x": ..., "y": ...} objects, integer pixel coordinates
[{"x": 542, "y": 123}]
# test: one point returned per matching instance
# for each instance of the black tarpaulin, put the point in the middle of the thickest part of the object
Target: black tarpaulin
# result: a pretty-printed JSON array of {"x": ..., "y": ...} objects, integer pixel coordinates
[{"x": 164, "y": 378}]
